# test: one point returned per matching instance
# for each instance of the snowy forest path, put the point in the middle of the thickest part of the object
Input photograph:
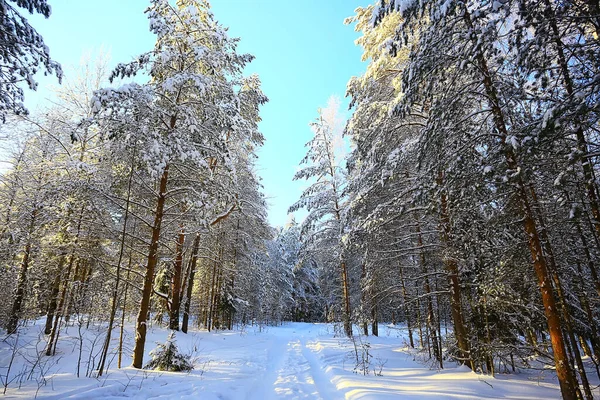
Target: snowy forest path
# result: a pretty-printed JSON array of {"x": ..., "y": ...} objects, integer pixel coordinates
[
  {"x": 300, "y": 374},
  {"x": 293, "y": 370}
]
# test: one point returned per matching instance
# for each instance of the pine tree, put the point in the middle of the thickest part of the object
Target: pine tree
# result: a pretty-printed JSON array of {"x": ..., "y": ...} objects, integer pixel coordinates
[
  {"x": 324, "y": 200},
  {"x": 23, "y": 54}
]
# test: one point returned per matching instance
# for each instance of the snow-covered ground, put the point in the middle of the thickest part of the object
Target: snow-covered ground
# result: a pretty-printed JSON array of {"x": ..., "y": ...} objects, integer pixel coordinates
[{"x": 293, "y": 361}]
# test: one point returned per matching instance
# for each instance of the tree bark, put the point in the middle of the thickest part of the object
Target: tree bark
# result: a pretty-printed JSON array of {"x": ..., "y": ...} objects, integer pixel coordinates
[
  {"x": 53, "y": 299},
  {"x": 176, "y": 282},
  {"x": 140, "y": 331},
  {"x": 346, "y": 299},
  {"x": 460, "y": 330},
  {"x": 190, "y": 284},
  {"x": 363, "y": 298},
  {"x": 15, "y": 312},
  {"x": 406, "y": 310}
]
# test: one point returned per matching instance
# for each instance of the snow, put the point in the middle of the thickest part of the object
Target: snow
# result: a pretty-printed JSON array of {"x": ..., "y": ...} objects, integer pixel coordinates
[{"x": 293, "y": 361}]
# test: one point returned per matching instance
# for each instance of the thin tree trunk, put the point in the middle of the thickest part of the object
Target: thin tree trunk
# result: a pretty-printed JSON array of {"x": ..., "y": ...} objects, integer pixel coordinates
[
  {"x": 51, "y": 347},
  {"x": 419, "y": 320},
  {"x": 52, "y": 342},
  {"x": 363, "y": 298},
  {"x": 123, "y": 311},
  {"x": 211, "y": 302},
  {"x": 460, "y": 330},
  {"x": 216, "y": 321},
  {"x": 53, "y": 298},
  {"x": 15, "y": 312},
  {"x": 406, "y": 310},
  {"x": 431, "y": 324},
  {"x": 190, "y": 284},
  {"x": 140, "y": 331},
  {"x": 374, "y": 318},
  {"x": 115, "y": 294},
  {"x": 346, "y": 299},
  {"x": 176, "y": 282}
]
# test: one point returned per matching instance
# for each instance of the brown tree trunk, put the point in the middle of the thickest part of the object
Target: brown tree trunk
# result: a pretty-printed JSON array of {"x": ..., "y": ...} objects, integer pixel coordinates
[
  {"x": 190, "y": 284},
  {"x": 53, "y": 299},
  {"x": 419, "y": 320},
  {"x": 217, "y": 293},
  {"x": 460, "y": 330},
  {"x": 374, "y": 318},
  {"x": 346, "y": 299},
  {"x": 212, "y": 296},
  {"x": 62, "y": 306},
  {"x": 15, "y": 312},
  {"x": 140, "y": 330},
  {"x": 51, "y": 347},
  {"x": 431, "y": 324},
  {"x": 363, "y": 298},
  {"x": 176, "y": 282},
  {"x": 553, "y": 269},
  {"x": 406, "y": 310}
]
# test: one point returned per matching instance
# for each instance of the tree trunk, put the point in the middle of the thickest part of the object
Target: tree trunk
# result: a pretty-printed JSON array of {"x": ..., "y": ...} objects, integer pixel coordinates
[
  {"x": 431, "y": 324},
  {"x": 460, "y": 330},
  {"x": 176, "y": 282},
  {"x": 406, "y": 310},
  {"x": 123, "y": 312},
  {"x": 115, "y": 294},
  {"x": 53, "y": 299},
  {"x": 346, "y": 299},
  {"x": 140, "y": 331},
  {"x": 363, "y": 298},
  {"x": 190, "y": 284},
  {"x": 52, "y": 342},
  {"x": 51, "y": 347},
  {"x": 15, "y": 312},
  {"x": 553, "y": 269},
  {"x": 212, "y": 296},
  {"x": 374, "y": 319}
]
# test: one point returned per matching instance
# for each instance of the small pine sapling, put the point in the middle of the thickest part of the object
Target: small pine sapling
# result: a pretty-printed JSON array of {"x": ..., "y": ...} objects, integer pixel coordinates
[{"x": 166, "y": 357}]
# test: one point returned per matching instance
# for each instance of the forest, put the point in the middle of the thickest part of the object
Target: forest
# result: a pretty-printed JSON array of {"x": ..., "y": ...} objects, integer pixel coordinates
[{"x": 458, "y": 201}]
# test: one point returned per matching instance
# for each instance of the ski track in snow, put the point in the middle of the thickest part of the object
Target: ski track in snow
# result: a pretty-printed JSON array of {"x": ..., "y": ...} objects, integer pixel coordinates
[
  {"x": 300, "y": 376},
  {"x": 292, "y": 372}
]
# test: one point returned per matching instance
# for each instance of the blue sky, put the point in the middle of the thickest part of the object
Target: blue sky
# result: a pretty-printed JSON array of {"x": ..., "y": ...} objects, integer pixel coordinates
[{"x": 304, "y": 54}]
